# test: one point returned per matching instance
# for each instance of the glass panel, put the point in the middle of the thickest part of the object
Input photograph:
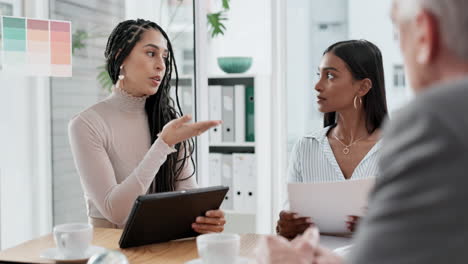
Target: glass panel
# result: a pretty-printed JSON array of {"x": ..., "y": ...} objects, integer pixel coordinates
[
  {"x": 176, "y": 17},
  {"x": 92, "y": 22}
]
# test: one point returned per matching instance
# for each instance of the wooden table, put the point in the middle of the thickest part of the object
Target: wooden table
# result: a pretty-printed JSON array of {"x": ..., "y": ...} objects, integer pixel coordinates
[{"x": 179, "y": 251}]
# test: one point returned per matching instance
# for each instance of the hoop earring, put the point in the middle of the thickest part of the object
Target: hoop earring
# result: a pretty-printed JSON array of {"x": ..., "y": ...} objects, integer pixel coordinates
[{"x": 360, "y": 101}]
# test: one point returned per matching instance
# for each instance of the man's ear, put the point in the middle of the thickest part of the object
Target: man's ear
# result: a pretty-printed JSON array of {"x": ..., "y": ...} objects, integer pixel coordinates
[
  {"x": 427, "y": 37},
  {"x": 364, "y": 88}
]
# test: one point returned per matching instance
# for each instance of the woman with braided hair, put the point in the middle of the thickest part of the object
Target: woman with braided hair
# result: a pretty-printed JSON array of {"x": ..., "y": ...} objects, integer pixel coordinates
[{"x": 136, "y": 141}]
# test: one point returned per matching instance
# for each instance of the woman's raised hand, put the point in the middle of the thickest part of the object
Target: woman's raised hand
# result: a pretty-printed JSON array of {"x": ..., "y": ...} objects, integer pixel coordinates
[{"x": 180, "y": 129}]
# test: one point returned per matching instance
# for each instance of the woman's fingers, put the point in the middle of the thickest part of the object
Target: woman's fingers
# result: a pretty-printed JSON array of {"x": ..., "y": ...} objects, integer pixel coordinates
[
  {"x": 182, "y": 120},
  {"x": 295, "y": 222},
  {"x": 202, "y": 126},
  {"x": 214, "y": 221},
  {"x": 198, "y": 128},
  {"x": 291, "y": 224},
  {"x": 206, "y": 228},
  {"x": 291, "y": 231},
  {"x": 351, "y": 223},
  {"x": 215, "y": 213},
  {"x": 179, "y": 129},
  {"x": 302, "y": 221},
  {"x": 350, "y": 226},
  {"x": 287, "y": 215},
  {"x": 301, "y": 228},
  {"x": 210, "y": 220}
]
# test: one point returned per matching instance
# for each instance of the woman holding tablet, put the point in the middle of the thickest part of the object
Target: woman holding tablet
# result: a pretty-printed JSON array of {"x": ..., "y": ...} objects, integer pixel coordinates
[{"x": 135, "y": 141}]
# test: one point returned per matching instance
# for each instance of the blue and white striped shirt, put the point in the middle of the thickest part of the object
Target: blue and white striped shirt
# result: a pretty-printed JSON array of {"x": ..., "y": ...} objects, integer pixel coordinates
[{"x": 312, "y": 160}]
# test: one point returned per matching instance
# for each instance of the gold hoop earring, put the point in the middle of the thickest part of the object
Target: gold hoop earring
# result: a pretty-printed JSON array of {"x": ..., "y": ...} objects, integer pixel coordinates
[{"x": 360, "y": 102}]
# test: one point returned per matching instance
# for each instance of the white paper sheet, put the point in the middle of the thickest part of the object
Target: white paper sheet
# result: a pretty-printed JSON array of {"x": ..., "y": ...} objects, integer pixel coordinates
[{"x": 329, "y": 204}]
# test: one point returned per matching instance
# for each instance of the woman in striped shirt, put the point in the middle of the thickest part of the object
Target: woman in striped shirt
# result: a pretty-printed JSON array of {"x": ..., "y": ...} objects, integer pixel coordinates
[{"x": 351, "y": 94}]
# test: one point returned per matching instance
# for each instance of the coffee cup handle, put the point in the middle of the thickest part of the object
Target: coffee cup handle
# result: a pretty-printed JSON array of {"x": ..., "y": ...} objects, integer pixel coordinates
[{"x": 63, "y": 240}]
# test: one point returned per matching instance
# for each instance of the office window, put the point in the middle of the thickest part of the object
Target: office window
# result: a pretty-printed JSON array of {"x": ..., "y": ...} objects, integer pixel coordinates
[{"x": 399, "y": 76}]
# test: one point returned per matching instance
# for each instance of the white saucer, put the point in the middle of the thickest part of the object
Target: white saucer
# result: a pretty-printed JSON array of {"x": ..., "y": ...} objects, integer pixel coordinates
[
  {"x": 54, "y": 254},
  {"x": 240, "y": 260}
]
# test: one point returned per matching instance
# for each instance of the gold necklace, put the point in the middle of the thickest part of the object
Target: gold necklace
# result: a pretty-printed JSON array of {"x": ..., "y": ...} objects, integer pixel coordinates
[{"x": 346, "y": 147}]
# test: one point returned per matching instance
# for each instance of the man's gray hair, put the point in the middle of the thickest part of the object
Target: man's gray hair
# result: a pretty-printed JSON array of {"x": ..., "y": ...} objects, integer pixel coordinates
[{"x": 452, "y": 17}]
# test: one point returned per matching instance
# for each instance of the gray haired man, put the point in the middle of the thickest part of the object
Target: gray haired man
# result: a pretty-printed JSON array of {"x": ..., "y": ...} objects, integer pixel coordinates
[{"x": 418, "y": 210}]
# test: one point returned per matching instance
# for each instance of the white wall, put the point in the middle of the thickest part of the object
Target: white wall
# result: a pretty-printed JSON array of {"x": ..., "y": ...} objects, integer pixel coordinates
[
  {"x": 248, "y": 33},
  {"x": 306, "y": 41},
  {"x": 134, "y": 9},
  {"x": 25, "y": 193},
  {"x": 299, "y": 66},
  {"x": 370, "y": 20}
]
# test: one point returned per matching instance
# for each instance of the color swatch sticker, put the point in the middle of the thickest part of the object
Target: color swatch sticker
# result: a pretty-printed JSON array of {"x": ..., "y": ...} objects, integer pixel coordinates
[
  {"x": 14, "y": 44},
  {"x": 60, "y": 44},
  {"x": 36, "y": 47}
]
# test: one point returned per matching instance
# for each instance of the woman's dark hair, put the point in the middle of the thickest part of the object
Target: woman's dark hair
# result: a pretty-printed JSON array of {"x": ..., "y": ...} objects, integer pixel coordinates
[
  {"x": 160, "y": 106},
  {"x": 363, "y": 60}
]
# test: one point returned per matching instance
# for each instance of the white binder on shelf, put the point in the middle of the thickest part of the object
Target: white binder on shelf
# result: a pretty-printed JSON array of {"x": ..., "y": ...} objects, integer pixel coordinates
[
  {"x": 239, "y": 99},
  {"x": 215, "y": 169},
  {"x": 245, "y": 182},
  {"x": 226, "y": 180},
  {"x": 251, "y": 183},
  {"x": 228, "y": 113},
  {"x": 215, "y": 107},
  {"x": 238, "y": 181}
]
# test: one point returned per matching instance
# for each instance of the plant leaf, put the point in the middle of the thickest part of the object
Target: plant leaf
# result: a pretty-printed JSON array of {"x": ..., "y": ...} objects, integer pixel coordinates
[
  {"x": 226, "y": 4},
  {"x": 78, "y": 39},
  {"x": 104, "y": 79},
  {"x": 216, "y": 25}
]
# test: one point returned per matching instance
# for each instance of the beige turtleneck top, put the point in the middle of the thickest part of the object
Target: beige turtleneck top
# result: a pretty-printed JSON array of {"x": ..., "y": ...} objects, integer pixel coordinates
[{"x": 116, "y": 161}]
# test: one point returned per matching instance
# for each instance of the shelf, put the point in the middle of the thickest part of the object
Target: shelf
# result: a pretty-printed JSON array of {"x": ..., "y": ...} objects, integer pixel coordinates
[
  {"x": 260, "y": 221},
  {"x": 231, "y": 76},
  {"x": 232, "y": 79},
  {"x": 229, "y": 149},
  {"x": 233, "y": 144}
]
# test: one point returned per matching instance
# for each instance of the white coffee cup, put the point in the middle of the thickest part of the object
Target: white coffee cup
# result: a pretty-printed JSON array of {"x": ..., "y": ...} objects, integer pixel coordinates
[
  {"x": 72, "y": 240},
  {"x": 218, "y": 248}
]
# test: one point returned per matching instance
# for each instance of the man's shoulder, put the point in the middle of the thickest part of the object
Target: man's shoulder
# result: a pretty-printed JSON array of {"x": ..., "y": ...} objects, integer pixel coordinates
[
  {"x": 444, "y": 98},
  {"x": 445, "y": 102},
  {"x": 438, "y": 116}
]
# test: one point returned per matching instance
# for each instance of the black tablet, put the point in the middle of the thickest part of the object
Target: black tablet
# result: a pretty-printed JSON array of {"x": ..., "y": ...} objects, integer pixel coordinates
[{"x": 161, "y": 217}]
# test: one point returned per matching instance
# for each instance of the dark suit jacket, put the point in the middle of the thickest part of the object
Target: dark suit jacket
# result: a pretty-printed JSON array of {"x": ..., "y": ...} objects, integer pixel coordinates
[{"x": 418, "y": 211}]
